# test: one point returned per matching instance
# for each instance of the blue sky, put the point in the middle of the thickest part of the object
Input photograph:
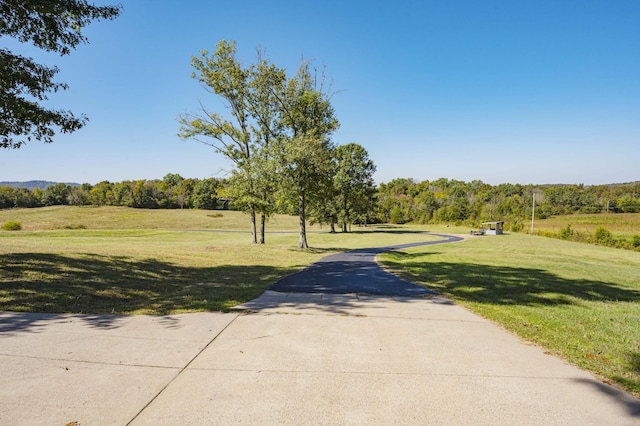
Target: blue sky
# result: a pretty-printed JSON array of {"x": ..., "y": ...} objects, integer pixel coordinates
[{"x": 500, "y": 91}]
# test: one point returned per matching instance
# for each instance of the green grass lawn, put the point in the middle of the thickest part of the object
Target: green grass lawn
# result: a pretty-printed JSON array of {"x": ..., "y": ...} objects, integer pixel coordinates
[
  {"x": 579, "y": 301},
  {"x": 132, "y": 261}
]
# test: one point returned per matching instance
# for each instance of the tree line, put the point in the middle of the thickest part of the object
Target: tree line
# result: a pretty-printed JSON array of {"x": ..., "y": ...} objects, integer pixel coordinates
[
  {"x": 454, "y": 201},
  {"x": 352, "y": 200},
  {"x": 173, "y": 191}
]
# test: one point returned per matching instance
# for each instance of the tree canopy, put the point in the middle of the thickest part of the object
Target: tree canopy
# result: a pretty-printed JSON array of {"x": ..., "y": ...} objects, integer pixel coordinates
[
  {"x": 275, "y": 133},
  {"x": 54, "y": 26},
  {"x": 242, "y": 135},
  {"x": 354, "y": 185}
]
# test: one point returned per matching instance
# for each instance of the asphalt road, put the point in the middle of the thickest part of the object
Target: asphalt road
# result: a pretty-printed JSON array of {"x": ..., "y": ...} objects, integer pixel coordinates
[{"x": 356, "y": 272}]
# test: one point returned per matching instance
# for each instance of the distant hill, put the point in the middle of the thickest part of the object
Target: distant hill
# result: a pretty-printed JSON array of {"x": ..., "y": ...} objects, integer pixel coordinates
[{"x": 31, "y": 184}]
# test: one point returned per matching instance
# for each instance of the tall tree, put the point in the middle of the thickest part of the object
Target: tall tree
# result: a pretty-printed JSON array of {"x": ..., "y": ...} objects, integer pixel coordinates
[
  {"x": 52, "y": 25},
  {"x": 243, "y": 137},
  {"x": 354, "y": 183},
  {"x": 304, "y": 150},
  {"x": 266, "y": 82}
]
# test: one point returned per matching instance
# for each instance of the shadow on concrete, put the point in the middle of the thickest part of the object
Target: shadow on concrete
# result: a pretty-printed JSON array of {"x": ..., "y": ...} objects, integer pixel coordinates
[
  {"x": 337, "y": 304},
  {"x": 631, "y": 404}
]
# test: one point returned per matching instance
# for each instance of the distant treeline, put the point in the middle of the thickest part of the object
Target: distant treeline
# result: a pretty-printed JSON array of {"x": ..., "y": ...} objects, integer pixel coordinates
[
  {"x": 399, "y": 201},
  {"x": 172, "y": 192},
  {"x": 450, "y": 200},
  {"x": 32, "y": 184}
]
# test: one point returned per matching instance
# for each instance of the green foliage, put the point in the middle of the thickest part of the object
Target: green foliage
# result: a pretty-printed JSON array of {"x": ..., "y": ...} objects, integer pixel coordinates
[
  {"x": 54, "y": 26},
  {"x": 277, "y": 135},
  {"x": 205, "y": 194},
  {"x": 628, "y": 204},
  {"x": 56, "y": 195},
  {"x": 19, "y": 197},
  {"x": 635, "y": 241},
  {"x": 452, "y": 201},
  {"x": 517, "y": 226},
  {"x": 353, "y": 185},
  {"x": 12, "y": 226},
  {"x": 602, "y": 236},
  {"x": 396, "y": 216},
  {"x": 171, "y": 192},
  {"x": 566, "y": 233},
  {"x": 252, "y": 95}
]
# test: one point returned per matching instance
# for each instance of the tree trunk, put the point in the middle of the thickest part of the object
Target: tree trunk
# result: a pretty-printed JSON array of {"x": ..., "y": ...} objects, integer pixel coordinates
[
  {"x": 263, "y": 220},
  {"x": 252, "y": 213},
  {"x": 344, "y": 226},
  {"x": 333, "y": 227},
  {"x": 303, "y": 227}
]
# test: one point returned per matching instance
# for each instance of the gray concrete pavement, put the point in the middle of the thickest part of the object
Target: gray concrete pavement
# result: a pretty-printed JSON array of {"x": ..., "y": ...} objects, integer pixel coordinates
[{"x": 293, "y": 359}]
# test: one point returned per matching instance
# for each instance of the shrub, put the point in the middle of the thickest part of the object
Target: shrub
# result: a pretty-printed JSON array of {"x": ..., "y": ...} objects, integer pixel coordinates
[
  {"x": 517, "y": 226},
  {"x": 602, "y": 236},
  {"x": 635, "y": 241},
  {"x": 566, "y": 233},
  {"x": 12, "y": 226}
]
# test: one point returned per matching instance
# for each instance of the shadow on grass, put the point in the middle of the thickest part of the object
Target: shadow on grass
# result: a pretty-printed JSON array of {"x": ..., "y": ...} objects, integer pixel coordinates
[
  {"x": 95, "y": 284},
  {"x": 629, "y": 382},
  {"x": 504, "y": 285}
]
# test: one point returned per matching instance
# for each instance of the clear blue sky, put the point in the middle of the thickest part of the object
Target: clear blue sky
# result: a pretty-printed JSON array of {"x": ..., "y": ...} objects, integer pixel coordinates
[{"x": 540, "y": 92}]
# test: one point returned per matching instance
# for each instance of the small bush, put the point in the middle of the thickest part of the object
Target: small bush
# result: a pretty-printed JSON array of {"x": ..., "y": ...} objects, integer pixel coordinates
[
  {"x": 517, "y": 226},
  {"x": 566, "y": 233},
  {"x": 12, "y": 226},
  {"x": 602, "y": 236},
  {"x": 635, "y": 241}
]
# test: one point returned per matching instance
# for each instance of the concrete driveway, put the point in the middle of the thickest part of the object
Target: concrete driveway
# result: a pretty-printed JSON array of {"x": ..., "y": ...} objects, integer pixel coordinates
[{"x": 293, "y": 359}]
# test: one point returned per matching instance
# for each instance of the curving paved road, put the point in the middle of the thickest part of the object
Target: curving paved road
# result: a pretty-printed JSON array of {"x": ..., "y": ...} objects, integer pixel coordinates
[{"x": 355, "y": 271}]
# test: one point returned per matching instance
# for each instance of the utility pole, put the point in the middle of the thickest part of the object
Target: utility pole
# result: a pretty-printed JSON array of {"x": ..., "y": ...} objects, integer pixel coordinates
[{"x": 533, "y": 212}]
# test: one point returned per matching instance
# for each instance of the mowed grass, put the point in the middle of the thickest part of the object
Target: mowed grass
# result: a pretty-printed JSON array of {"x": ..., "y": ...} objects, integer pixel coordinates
[
  {"x": 69, "y": 217},
  {"x": 621, "y": 225},
  {"x": 579, "y": 301},
  {"x": 130, "y": 261}
]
